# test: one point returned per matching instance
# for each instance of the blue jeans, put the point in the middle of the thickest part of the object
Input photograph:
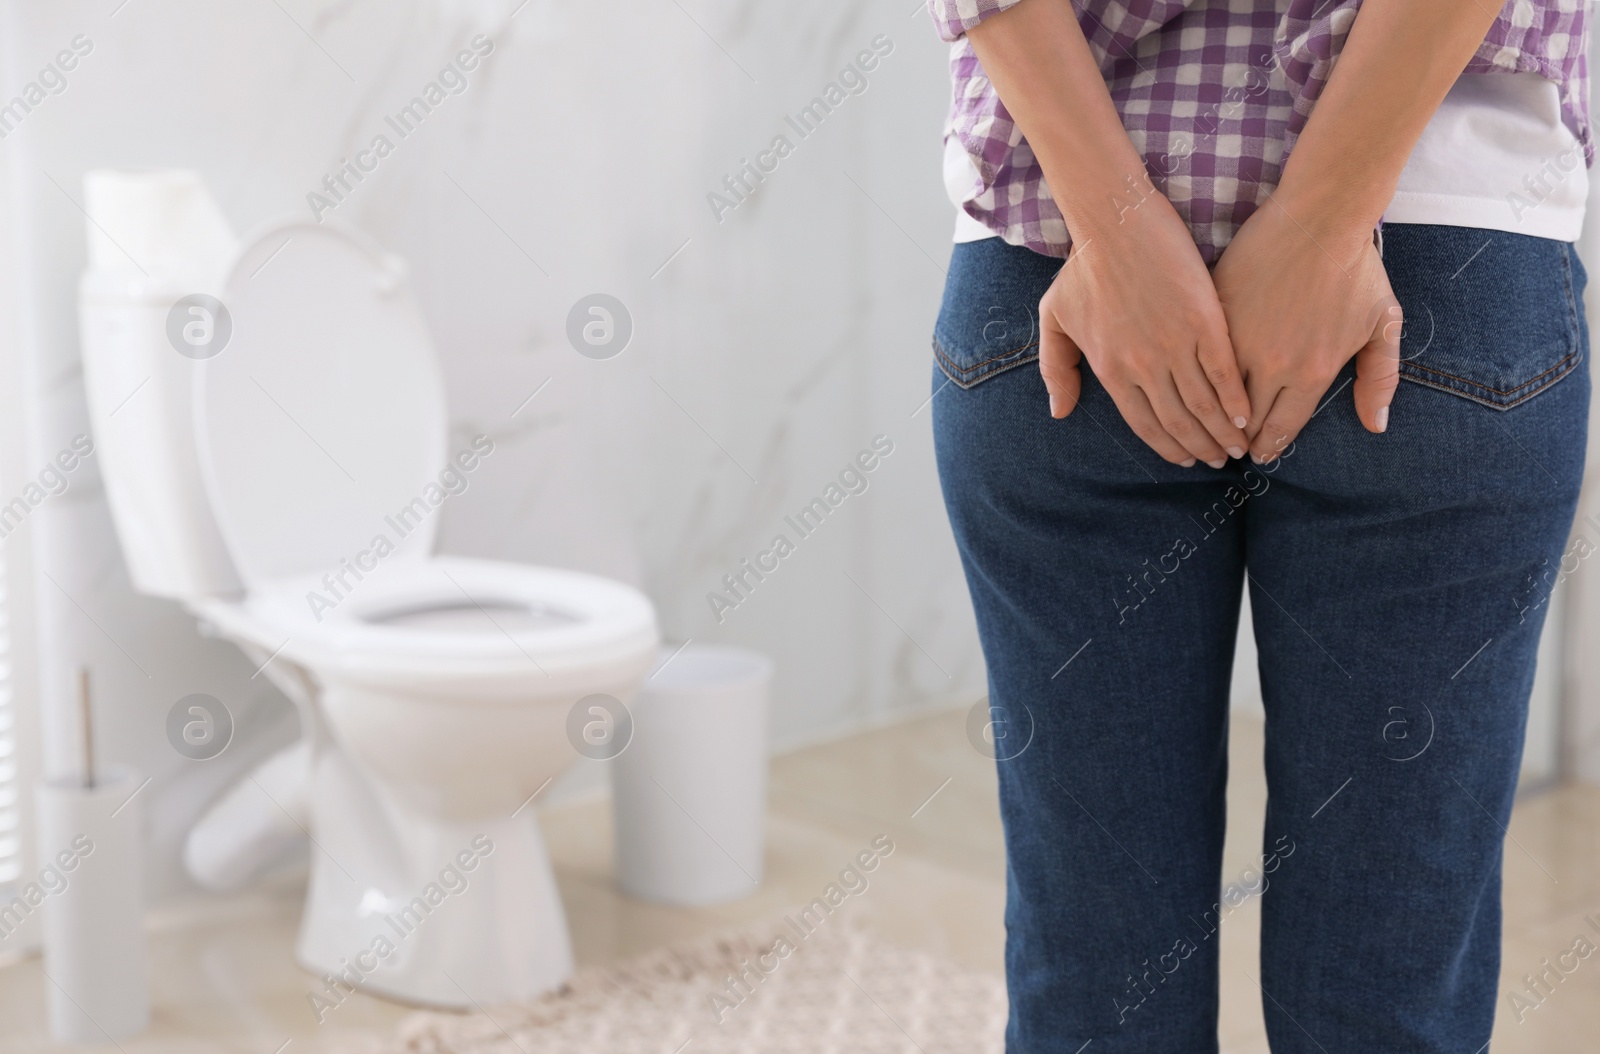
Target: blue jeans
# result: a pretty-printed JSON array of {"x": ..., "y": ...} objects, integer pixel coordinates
[{"x": 1397, "y": 583}]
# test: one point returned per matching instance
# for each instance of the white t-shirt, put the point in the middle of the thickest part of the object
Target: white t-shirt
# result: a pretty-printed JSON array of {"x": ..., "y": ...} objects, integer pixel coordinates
[{"x": 1495, "y": 156}]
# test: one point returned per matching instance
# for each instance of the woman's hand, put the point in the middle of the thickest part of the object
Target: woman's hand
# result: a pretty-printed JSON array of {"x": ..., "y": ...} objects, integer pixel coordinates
[
  {"x": 1301, "y": 297},
  {"x": 1134, "y": 295},
  {"x": 1136, "y": 300}
]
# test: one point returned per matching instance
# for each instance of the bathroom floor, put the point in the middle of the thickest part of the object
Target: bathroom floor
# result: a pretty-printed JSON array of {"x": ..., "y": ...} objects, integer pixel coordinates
[{"x": 224, "y": 978}]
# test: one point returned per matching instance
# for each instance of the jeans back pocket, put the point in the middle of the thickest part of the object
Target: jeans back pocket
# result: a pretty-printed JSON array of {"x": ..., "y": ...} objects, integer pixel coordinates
[
  {"x": 989, "y": 319},
  {"x": 1489, "y": 315}
]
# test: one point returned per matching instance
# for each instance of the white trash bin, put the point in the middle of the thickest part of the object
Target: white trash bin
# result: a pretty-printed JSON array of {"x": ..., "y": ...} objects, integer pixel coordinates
[{"x": 690, "y": 787}]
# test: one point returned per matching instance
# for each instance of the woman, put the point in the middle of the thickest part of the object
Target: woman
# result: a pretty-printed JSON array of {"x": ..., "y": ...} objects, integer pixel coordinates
[{"x": 1215, "y": 181}]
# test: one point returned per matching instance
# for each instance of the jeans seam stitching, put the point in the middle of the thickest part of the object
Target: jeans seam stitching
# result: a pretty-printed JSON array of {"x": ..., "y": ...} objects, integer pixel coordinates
[
  {"x": 1480, "y": 400},
  {"x": 965, "y": 377},
  {"x": 938, "y": 349},
  {"x": 1509, "y": 391}
]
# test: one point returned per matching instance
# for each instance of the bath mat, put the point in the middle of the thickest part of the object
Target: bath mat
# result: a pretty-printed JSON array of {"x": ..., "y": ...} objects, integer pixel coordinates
[{"x": 835, "y": 990}]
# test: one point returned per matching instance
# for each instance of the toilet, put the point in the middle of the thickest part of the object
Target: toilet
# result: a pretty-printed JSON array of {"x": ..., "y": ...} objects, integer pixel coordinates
[{"x": 279, "y": 465}]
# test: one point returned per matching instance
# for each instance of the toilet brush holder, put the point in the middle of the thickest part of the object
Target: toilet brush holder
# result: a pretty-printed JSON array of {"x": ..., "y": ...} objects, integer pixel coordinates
[{"x": 92, "y": 906}]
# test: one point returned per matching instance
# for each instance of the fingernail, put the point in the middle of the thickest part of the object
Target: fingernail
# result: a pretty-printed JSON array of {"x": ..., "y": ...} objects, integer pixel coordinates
[
  {"x": 1383, "y": 418},
  {"x": 1239, "y": 422},
  {"x": 1221, "y": 462},
  {"x": 1189, "y": 464},
  {"x": 1258, "y": 459},
  {"x": 1055, "y": 405},
  {"x": 1235, "y": 452}
]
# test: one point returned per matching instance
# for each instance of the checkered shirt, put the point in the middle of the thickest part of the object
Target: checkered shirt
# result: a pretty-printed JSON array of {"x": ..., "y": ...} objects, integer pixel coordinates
[{"x": 1213, "y": 94}]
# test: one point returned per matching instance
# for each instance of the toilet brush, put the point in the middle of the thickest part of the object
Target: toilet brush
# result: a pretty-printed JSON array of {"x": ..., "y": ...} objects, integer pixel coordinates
[{"x": 90, "y": 896}]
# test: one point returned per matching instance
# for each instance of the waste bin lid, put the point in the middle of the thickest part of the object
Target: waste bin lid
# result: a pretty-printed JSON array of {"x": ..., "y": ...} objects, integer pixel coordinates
[{"x": 697, "y": 668}]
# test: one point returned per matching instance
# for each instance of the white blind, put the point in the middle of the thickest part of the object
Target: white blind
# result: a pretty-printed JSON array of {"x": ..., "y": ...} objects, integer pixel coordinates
[{"x": 10, "y": 811}]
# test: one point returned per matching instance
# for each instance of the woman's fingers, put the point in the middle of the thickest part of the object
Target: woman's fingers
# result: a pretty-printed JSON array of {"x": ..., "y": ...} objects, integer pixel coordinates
[
  {"x": 1200, "y": 395},
  {"x": 1378, "y": 369},
  {"x": 1290, "y": 411},
  {"x": 1141, "y": 417},
  {"x": 1377, "y": 378},
  {"x": 1263, "y": 389},
  {"x": 1172, "y": 409},
  {"x": 1058, "y": 365},
  {"x": 1221, "y": 366},
  {"x": 1162, "y": 414}
]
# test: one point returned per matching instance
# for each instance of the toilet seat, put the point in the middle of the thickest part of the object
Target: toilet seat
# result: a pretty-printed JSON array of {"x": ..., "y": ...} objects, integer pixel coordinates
[
  {"x": 586, "y": 620},
  {"x": 578, "y": 623}
]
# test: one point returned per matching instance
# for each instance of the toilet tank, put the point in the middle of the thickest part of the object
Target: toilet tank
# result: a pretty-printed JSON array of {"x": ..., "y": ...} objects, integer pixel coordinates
[{"x": 155, "y": 238}]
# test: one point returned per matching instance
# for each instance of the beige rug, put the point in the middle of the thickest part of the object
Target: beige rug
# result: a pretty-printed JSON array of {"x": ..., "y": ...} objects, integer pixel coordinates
[{"x": 838, "y": 990}]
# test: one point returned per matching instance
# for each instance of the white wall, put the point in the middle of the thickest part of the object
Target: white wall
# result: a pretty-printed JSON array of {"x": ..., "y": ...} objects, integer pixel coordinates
[
  {"x": 577, "y": 161},
  {"x": 792, "y": 332}
]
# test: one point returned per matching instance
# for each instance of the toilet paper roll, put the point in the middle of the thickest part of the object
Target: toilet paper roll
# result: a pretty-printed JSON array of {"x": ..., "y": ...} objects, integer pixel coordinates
[
  {"x": 95, "y": 960},
  {"x": 164, "y": 218}
]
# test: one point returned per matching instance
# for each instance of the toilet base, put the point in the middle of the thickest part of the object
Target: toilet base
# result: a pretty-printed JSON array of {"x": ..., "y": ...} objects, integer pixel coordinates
[{"x": 447, "y": 914}]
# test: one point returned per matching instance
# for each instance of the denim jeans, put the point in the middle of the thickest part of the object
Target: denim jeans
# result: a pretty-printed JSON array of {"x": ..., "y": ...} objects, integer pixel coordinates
[{"x": 1397, "y": 583}]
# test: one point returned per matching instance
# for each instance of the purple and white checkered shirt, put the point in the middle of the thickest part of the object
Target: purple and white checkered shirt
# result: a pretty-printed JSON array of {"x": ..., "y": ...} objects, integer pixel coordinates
[{"x": 1213, "y": 94}]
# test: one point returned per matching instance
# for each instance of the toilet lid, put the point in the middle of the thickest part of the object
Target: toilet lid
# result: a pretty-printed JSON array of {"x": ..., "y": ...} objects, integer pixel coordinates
[{"x": 321, "y": 421}]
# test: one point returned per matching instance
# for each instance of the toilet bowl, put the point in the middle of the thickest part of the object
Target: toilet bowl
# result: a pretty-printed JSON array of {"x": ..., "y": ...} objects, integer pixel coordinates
[
  {"x": 286, "y": 484},
  {"x": 442, "y": 698}
]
